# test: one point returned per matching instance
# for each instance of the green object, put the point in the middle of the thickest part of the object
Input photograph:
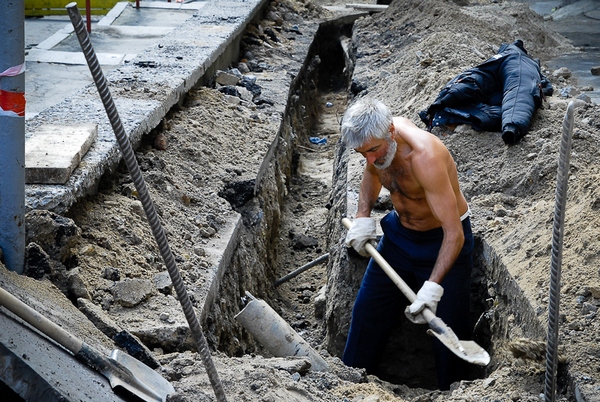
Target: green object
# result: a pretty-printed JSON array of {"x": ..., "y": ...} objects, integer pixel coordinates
[{"x": 37, "y": 8}]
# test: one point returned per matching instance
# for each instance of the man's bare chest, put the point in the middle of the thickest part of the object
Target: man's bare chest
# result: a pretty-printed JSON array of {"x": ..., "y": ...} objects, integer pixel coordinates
[{"x": 401, "y": 182}]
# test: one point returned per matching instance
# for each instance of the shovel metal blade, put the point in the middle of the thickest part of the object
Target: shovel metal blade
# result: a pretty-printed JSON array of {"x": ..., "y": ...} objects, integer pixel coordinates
[
  {"x": 469, "y": 351},
  {"x": 137, "y": 378}
]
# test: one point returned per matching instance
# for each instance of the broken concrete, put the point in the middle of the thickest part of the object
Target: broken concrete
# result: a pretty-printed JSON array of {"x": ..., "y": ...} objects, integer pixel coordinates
[{"x": 54, "y": 151}]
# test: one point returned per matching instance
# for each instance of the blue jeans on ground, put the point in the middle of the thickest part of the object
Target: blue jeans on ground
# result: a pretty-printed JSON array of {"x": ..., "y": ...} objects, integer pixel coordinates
[{"x": 379, "y": 303}]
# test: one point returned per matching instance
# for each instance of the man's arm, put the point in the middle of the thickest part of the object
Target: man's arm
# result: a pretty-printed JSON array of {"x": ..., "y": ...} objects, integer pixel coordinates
[
  {"x": 364, "y": 229},
  {"x": 370, "y": 187},
  {"x": 432, "y": 173}
]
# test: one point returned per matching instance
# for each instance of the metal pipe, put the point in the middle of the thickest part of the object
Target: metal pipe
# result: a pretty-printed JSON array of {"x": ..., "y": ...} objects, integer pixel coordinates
[
  {"x": 303, "y": 268},
  {"x": 140, "y": 185},
  {"x": 556, "y": 258},
  {"x": 12, "y": 134},
  {"x": 275, "y": 334},
  {"x": 88, "y": 15}
]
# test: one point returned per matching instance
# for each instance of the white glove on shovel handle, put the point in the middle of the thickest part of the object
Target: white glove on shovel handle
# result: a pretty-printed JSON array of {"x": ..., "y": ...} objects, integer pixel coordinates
[
  {"x": 467, "y": 350},
  {"x": 428, "y": 296},
  {"x": 362, "y": 231}
]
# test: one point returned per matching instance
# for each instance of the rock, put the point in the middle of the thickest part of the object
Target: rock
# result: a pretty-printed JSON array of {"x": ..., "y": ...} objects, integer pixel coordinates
[
  {"x": 276, "y": 17},
  {"x": 588, "y": 308},
  {"x": 562, "y": 72},
  {"x": 296, "y": 364},
  {"x": 170, "y": 338},
  {"x": 593, "y": 291},
  {"x": 98, "y": 317},
  {"x": 55, "y": 234},
  {"x": 500, "y": 211},
  {"x": 595, "y": 70},
  {"x": 300, "y": 241},
  {"x": 488, "y": 382},
  {"x": 320, "y": 302},
  {"x": 230, "y": 90},
  {"x": 131, "y": 292},
  {"x": 112, "y": 274},
  {"x": 245, "y": 94},
  {"x": 76, "y": 286},
  {"x": 135, "y": 348},
  {"x": 163, "y": 282},
  {"x": 568, "y": 92},
  {"x": 243, "y": 67},
  {"x": 137, "y": 208},
  {"x": 160, "y": 142},
  {"x": 37, "y": 261},
  {"x": 226, "y": 78},
  {"x": 584, "y": 98}
]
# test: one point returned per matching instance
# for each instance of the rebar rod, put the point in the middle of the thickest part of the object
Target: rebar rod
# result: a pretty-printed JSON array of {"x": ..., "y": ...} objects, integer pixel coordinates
[
  {"x": 303, "y": 268},
  {"x": 149, "y": 209},
  {"x": 562, "y": 179}
]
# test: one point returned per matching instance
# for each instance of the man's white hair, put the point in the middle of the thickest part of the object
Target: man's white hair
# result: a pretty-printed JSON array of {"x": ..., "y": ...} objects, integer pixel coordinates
[{"x": 365, "y": 119}]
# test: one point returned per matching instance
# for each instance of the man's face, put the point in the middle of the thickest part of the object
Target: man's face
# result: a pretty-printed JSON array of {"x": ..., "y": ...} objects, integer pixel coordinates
[
  {"x": 379, "y": 152},
  {"x": 385, "y": 161}
]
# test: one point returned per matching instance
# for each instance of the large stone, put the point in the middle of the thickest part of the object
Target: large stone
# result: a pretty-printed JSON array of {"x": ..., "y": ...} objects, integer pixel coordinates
[
  {"x": 131, "y": 292},
  {"x": 54, "y": 233}
]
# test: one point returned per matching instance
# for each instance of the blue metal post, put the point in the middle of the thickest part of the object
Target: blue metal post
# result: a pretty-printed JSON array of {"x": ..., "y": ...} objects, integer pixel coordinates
[{"x": 12, "y": 134}]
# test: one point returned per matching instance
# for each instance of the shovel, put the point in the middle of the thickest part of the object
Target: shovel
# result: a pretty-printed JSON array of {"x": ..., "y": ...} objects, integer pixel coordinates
[
  {"x": 120, "y": 369},
  {"x": 466, "y": 350}
]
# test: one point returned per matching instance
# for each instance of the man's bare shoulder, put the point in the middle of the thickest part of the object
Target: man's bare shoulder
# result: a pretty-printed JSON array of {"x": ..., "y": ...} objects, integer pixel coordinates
[{"x": 403, "y": 122}]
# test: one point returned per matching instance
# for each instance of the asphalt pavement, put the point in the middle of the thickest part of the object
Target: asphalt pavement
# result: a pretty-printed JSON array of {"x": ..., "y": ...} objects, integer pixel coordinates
[
  {"x": 55, "y": 66},
  {"x": 580, "y": 23}
]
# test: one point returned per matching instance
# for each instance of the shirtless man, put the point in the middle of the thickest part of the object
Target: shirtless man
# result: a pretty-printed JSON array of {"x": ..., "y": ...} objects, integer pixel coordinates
[{"x": 427, "y": 238}]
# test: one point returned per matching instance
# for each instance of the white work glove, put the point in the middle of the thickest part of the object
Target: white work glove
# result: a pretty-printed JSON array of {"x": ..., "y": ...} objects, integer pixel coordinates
[
  {"x": 428, "y": 296},
  {"x": 362, "y": 231}
]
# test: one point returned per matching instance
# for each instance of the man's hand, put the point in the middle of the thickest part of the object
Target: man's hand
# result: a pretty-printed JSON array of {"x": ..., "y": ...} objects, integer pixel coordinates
[
  {"x": 362, "y": 231},
  {"x": 428, "y": 296}
]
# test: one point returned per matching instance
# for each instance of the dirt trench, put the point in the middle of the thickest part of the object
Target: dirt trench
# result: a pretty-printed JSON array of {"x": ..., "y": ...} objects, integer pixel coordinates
[
  {"x": 318, "y": 302},
  {"x": 293, "y": 206},
  {"x": 307, "y": 206},
  {"x": 292, "y": 219}
]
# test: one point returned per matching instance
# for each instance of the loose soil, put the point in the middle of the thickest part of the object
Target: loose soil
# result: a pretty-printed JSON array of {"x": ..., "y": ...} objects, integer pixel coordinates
[{"x": 405, "y": 55}]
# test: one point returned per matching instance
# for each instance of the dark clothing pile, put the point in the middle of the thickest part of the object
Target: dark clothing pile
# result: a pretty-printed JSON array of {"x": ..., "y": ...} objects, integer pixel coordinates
[{"x": 501, "y": 94}]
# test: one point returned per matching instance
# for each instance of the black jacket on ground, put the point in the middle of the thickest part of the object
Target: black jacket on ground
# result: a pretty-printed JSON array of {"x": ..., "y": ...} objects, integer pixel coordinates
[{"x": 501, "y": 94}]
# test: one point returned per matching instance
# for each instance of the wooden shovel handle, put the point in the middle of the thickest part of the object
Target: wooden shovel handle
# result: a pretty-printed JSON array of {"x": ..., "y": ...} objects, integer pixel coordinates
[
  {"x": 392, "y": 274},
  {"x": 40, "y": 322}
]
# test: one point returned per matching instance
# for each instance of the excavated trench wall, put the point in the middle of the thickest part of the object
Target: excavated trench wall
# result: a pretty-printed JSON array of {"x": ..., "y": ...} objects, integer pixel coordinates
[{"x": 252, "y": 268}]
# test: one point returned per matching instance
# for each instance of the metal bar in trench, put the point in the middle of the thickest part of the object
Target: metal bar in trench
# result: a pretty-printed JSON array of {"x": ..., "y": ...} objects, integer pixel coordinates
[
  {"x": 562, "y": 179},
  {"x": 140, "y": 185},
  {"x": 303, "y": 268}
]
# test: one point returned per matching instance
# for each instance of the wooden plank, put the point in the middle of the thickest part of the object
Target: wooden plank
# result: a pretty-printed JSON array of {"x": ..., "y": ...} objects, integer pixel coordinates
[{"x": 54, "y": 151}]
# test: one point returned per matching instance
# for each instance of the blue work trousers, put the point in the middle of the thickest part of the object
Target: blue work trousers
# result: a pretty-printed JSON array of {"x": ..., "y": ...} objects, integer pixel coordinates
[{"x": 380, "y": 304}]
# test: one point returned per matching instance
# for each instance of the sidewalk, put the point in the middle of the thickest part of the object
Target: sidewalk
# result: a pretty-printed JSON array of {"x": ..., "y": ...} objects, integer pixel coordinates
[
  {"x": 151, "y": 57},
  {"x": 56, "y": 68}
]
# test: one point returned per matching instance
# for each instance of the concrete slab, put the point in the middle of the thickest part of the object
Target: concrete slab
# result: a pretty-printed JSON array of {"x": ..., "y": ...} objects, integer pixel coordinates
[{"x": 54, "y": 151}]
